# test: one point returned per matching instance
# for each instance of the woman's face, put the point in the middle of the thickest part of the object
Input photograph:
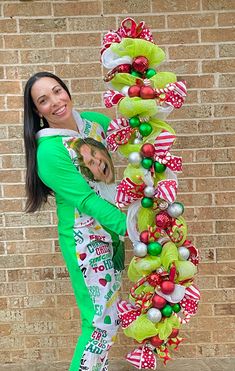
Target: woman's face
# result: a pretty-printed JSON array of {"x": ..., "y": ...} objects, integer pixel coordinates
[
  {"x": 52, "y": 102},
  {"x": 98, "y": 162}
]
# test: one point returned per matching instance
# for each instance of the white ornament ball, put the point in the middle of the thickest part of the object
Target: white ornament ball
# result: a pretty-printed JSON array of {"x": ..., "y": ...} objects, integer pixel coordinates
[
  {"x": 175, "y": 209},
  {"x": 135, "y": 158},
  {"x": 140, "y": 250},
  {"x": 154, "y": 315},
  {"x": 183, "y": 252},
  {"x": 149, "y": 191}
]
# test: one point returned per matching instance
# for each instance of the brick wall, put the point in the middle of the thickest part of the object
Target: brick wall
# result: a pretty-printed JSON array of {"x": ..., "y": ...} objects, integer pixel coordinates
[{"x": 38, "y": 315}]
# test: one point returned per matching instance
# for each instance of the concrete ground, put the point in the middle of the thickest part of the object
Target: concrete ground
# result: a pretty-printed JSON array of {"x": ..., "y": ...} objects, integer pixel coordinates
[{"x": 208, "y": 364}]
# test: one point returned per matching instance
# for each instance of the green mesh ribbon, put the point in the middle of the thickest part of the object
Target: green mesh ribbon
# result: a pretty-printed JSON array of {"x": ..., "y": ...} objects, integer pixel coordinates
[{"x": 136, "y": 47}]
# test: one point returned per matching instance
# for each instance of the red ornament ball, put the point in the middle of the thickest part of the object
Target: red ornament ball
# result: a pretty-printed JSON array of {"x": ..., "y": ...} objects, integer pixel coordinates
[
  {"x": 163, "y": 220},
  {"x": 144, "y": 236},
  {"x": 156, "y": 341},
  {"x": 158, "y": 302},
  {"x": 174, "y": 333},
  {"x": 134, "y": 91},
  {"x": 146, "y": 92},
  {"x": 147, "y": 150},
  {"x": 140, "y": 64},
  {"x": 167, "y": 287}
]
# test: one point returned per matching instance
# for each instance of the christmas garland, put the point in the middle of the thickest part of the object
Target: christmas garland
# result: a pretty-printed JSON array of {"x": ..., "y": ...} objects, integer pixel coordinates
[{"x": 163, "y": 296}]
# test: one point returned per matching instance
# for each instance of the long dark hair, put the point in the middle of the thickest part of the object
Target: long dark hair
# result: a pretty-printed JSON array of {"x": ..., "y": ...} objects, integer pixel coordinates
[{"x": 36, "y": 191}]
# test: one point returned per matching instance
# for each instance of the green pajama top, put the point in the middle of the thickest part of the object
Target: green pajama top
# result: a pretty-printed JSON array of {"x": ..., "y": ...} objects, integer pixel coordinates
[{"x": 72, "y": 192}]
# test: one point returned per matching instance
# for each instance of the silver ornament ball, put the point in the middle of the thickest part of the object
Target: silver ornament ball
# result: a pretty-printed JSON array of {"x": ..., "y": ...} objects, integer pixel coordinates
[
  {"x": 138, "y": 141},
  {"x": 135, "y": 158},
  {"x": 149, "y": 191},
  {"x": 140, "y": 250},
  {"x": 176, "y": 209},
  {"x": 183, "y": 252},
  {"x": 154, "y": 315}
]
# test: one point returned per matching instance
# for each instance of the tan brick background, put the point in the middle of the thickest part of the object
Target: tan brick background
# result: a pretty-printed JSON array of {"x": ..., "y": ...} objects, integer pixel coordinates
[{"x": 38, "y": 315}]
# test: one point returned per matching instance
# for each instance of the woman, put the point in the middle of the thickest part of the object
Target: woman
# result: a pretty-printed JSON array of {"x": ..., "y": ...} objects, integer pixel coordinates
[{"x": 88, "y": 226}]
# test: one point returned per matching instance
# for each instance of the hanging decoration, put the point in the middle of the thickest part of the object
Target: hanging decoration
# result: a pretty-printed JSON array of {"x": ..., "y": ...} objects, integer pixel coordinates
[{"x": 163, "y": 296}]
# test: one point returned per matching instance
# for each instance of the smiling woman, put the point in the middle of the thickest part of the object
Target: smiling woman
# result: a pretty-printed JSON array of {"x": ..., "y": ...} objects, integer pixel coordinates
[
  {"x": 53, "y": 103},
  {"x": 89, "y": 226}
]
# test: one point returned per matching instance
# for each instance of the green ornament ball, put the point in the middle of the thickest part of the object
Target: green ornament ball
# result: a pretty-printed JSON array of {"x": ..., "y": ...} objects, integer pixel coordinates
[
  {"x": 154, "y": 248},
  {"x": 159, "y": 168},
  {"x": 176, "y": 307},
  {"x": 145, "y": 129},
  {"x": 167, "y": 311},
  {"x": 134, "y": 122},
  {"x": 136, "y": 73},
  {"x": 150, "y": 73},
  {"x": 147, "y": 202},
  {"x": 147, "y": 162}
]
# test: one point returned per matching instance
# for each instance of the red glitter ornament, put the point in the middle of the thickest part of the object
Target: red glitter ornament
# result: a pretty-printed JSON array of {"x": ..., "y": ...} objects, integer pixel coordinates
[
  {"x": 163, "y": 220},
  {"x": 124, "y": 68},
  {"x": 154, "y": 279},
  {"x": 134, "y": 91},
  {"x": 158, "y": 302},
  {"x": 140, "y": 64},
  {"x": 156, "y": 341},
  {"x": 167, "y": 287},
  {"x": 147, "y": 150},
  {"x": 144, "y": 236},
  {"x": 146, "y": 92}
]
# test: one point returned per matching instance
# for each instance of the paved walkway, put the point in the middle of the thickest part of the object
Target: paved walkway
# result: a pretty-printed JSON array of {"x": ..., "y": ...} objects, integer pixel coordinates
[{"x": 208, "y": 364}]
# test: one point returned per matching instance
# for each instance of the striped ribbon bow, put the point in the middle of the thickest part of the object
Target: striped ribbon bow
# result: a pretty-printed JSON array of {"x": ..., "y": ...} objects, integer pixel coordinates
[
  {"x": 118, "y": 133},
  {"x": 128, "y": 191},
  {"x": 129, "y": 28},
  {"x": 127, "y": 313},
  {"x": 112, "y": 97},
  {"x": 189, "y": 303},
  {"x": 142, "y": 358},
  {"x": 174, "y": 94},
  {"x": 162, "y": 144}
]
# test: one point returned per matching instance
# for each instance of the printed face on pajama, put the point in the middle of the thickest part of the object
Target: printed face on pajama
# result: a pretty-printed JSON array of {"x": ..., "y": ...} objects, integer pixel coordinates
[
  {"x": 98, "y": 162},
  {"x": 94, "y": 160}
]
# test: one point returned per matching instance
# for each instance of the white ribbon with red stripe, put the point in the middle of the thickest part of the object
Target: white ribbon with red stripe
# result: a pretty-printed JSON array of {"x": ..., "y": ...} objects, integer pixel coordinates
[{"x": 166, "y": 190}]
